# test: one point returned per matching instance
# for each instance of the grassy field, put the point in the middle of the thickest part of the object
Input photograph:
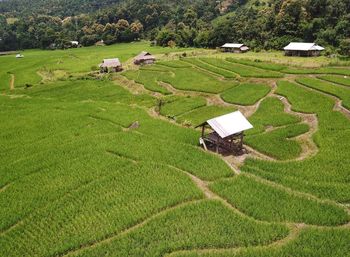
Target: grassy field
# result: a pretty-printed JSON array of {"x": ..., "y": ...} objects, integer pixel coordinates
[
  {"x": 92, "y": 167},
  {"x": 342, "y": 80},
  {"x": 339, "y": 91},
  {"x": 242, "y": 70},
  {"x": 245, "y": 94}
]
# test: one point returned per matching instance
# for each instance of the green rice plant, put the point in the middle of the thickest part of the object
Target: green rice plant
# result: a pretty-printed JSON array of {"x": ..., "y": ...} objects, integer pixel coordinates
[
  {"x": 323, "y": 70},
  {"x": 245, "y": 94},
  {"x": 202, "y": 114},
  {"x": 278, "y": 143},
  {"x": 270, "y": 114},
  {"x": 258, "y": 64},
  {"x": 192, "y": 79},
  {"x": 342, "y": 80},
  {"x": 148, "y": 78},
  {"x": 266, "y": 202},
  {"x": 330, "y": 190},
  {"x": 175, "y": 106},
  {"x": 336, "y": 90},
  {"x": 222, "y": 72},
  {"x": 5, "y": 79},
  {"x": 106, "y": 206},
  {"x": 311, "y": 242},
  {"x": 214, "y": 225},
  {"x": 183, "y": 79},
  {"x": 328, "y": 170},
  {"x": 174, "y": 64},
  {"x": 242, "y": 70},
  {"x": 71, "y": 90},
  {"x": 156, "y": 67}
]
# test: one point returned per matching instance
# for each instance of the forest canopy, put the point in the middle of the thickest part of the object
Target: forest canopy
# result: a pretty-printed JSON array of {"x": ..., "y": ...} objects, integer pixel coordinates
[{"x": 262, "y": 24}]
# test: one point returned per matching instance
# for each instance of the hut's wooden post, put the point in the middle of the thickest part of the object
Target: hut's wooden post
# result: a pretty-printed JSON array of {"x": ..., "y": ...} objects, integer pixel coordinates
[
  {"x": 241, "y": 141},
  {"x": 217, "y": 145},
  {"x": 203, "y": 128}
]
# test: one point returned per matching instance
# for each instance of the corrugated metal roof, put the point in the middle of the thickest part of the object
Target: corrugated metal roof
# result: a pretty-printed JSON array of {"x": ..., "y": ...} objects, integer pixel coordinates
[
  {"x": 229, "y": 124},
  {"x": 303, "y": 47},
  {"x": 232, "y": 45},
  {"x": 110, "y": 63}
]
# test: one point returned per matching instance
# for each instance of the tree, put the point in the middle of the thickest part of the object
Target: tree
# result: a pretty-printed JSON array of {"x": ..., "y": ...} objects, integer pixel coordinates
[{"x": 345, "y": 47}]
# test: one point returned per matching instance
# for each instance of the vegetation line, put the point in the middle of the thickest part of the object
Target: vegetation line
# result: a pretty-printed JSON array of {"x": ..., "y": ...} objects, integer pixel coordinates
[
  {"x": 294, "y": 233},
  {"x": 309, "y": 148},
  {"x": 107, "y": 120},
  {"x": 292, "y": 191},
  {"x": 67, "y": 193},
  {"x": 203, "y": 185},
  {"x": 338, "y": 102},
  {"x": 117, "y": 234}
]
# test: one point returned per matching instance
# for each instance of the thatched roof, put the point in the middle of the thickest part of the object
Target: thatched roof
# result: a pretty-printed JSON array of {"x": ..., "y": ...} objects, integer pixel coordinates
[
  {"x": 144, "y": 56},
  {"x": 110, "y": 63}
]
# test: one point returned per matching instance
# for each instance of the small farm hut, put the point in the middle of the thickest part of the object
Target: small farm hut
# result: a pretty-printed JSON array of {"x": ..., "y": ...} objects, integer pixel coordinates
[
  {"x": 19, "y": 55},
  {"x": 226, "y": 133},
  {"x": 234, "y": 48},
  {"x": 74, "y": 43},
  {"x": 144, "y": 58},
  {"x": 100, "y": 43},
  {"x": 302, "y": 49},
  {"x": 110, "y": 65}
]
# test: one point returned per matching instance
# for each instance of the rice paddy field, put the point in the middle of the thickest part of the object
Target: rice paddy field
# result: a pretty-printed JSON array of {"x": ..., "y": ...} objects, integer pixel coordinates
[{"x": 110, "y": 164}]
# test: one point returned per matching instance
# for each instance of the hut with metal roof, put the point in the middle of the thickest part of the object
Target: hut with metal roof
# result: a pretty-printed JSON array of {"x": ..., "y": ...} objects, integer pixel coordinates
[
  {"x": 234, "y": 48},
  {"x": 226, "y": 133},
  {"x": 110, "y": 65},
  {"x": 302, "y": 49},
  {"x": 144, "y": 58}
]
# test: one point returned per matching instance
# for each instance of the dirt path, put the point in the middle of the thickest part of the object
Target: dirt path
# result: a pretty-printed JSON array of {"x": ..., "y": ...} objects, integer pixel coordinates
[
  {"x": 133, "y": 87},
  {"x": 308, "y": 146},
  {"x": 337, "y": 102},
  {"x": 12, "y": 82},
  {"x": 251, "y": 109}
]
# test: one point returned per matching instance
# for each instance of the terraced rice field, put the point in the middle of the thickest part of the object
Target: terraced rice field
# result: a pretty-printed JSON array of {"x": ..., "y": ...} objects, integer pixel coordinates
[{"x": 110, "y": 165}]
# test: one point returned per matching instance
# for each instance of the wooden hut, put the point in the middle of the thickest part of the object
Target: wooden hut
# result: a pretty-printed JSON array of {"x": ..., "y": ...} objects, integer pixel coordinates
[
  {"x": 100, "y": 43},
  {"x": 302, "y": 49},
  {"x": 226, "y": 133},
  {"x": 144, "y": 58},
  {"x": 234, "y": 48},
  {"x": 110, "y": 65}
]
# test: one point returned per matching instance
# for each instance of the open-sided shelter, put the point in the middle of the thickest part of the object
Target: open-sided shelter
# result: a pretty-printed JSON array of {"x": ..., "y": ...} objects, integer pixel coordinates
[
  {"x": 144, "y": 58},
  {"x": 226, "y": 133},
  {"x": 110, "y": 65},
  {"x": 302, "y": 49},
  {"x": 234, "y": 48}
]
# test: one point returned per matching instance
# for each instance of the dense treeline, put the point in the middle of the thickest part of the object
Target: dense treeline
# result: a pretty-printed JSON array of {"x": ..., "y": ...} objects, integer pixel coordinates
[{"x": 261, "y": 24}]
